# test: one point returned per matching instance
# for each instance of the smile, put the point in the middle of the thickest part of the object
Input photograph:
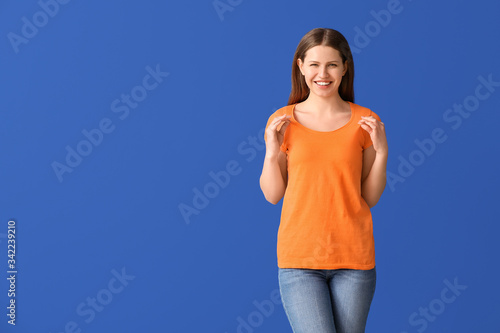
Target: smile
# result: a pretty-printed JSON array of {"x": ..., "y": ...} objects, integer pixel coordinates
[{"x": 322, "y": 83}]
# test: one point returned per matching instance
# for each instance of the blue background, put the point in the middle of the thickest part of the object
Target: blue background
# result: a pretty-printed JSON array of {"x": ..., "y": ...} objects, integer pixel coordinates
[{"x": 118, "y": 211}]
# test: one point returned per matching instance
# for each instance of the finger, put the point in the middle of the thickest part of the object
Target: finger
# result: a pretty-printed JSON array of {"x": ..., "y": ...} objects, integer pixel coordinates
[
  {"x": 367, "y": 123},
  {"x": 373, "y": 121},
  {"x": 283, "y": 121},
  {"x": 281, "y": 118},
  {"x": 366, "y": 128},
  {"x": 369, "y": 118},
  {"x": 286, "y": 122},
  {"x": 283, "y": 128},
  {"x": 275, "y": 123}
]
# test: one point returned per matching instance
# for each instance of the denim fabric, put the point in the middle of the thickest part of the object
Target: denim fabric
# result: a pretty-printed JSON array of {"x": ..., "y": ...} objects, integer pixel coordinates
[{"x": 327, "y": 300}]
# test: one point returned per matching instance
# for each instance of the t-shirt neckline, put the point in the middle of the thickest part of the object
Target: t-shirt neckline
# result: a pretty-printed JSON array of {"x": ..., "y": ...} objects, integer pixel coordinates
[{"x": 325, "y": 132}]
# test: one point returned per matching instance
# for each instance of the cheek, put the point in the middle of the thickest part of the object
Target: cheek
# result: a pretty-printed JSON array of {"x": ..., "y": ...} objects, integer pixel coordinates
[
  {"x": 308, "y": 74},
  {"x": 337, "y": 73},
  {"x": 309, "y": 78}
]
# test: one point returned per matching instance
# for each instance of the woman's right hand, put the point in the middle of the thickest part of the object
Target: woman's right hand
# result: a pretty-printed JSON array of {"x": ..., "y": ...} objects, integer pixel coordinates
[{"x": 274, "y": 138}]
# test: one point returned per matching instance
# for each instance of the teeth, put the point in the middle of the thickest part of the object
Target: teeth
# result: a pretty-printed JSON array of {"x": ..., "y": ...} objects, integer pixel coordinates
[{"x": 323, "y": 83}]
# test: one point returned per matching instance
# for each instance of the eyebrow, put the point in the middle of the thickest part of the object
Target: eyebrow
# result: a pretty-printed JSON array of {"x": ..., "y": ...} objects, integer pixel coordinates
[{"x": 326, "y": 62}]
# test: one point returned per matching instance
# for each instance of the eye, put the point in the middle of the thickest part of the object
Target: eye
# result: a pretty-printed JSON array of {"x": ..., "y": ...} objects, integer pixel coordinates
[
  {"x": 333, "y": 65},
  {"x": 314, "y": 64}
]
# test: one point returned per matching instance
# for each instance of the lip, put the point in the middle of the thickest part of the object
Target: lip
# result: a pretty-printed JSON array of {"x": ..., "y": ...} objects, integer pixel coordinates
[{"x": 323, "y": 87}]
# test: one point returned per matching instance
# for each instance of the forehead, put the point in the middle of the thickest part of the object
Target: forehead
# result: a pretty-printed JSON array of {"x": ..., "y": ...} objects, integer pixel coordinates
[{"x": 322, "y": 53}]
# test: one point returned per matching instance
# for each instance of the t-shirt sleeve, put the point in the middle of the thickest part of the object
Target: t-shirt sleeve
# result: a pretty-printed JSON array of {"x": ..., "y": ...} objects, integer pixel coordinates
[
  {"x": 283, "y": 145},
  {"x": 367, "y": 139}
]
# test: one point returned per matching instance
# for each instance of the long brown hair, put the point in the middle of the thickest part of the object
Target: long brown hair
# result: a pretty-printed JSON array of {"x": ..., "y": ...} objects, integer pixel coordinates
[{"x": 327, "y": 37}]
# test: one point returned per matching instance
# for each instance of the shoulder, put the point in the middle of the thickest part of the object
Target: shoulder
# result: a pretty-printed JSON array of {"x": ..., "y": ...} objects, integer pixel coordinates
[
  {"x": 287, "y": 109},
  {"x": 279, "y": 112},
  {"x": 364, "y": 111}
]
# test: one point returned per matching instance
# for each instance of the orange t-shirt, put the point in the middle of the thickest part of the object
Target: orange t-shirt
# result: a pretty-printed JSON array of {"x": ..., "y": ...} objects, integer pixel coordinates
[{"x": 325, "y": 222}]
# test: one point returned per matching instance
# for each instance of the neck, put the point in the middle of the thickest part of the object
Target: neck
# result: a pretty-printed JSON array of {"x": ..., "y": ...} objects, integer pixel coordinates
[{"x": 325, "y": 105}]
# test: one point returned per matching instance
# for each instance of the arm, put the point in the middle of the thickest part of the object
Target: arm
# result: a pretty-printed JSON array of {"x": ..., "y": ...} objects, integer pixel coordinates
[
  {"x": 373, "y": 178},
  {"x": 274, "y": 177}
]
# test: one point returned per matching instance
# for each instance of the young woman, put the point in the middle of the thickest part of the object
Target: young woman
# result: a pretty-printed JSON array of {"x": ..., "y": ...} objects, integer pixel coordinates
[{"x": 326, "y": 157}]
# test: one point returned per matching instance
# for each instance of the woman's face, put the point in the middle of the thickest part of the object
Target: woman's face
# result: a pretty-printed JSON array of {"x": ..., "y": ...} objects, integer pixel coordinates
[{"x": 323, "y": 70}]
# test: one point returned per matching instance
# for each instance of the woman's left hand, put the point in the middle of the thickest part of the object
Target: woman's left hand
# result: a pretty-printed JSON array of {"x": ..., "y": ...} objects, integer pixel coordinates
[{"x": 376, "y": 129}]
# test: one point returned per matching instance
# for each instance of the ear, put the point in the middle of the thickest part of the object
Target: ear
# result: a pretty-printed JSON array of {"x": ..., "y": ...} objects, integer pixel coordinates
[
  {"x": 345, "y": 68},
  {"x": 300, "y": 64}
]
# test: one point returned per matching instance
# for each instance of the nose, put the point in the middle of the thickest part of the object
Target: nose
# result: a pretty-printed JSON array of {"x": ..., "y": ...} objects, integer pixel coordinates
[{"x": 323, "y": 72}]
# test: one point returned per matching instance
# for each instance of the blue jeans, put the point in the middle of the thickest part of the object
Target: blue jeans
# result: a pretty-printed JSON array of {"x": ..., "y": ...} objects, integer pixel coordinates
[{"x": 327, "y": 300}]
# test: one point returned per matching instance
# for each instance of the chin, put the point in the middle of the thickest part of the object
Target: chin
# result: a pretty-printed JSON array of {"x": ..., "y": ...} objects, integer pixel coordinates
[{"x": 324, "y": 93}]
